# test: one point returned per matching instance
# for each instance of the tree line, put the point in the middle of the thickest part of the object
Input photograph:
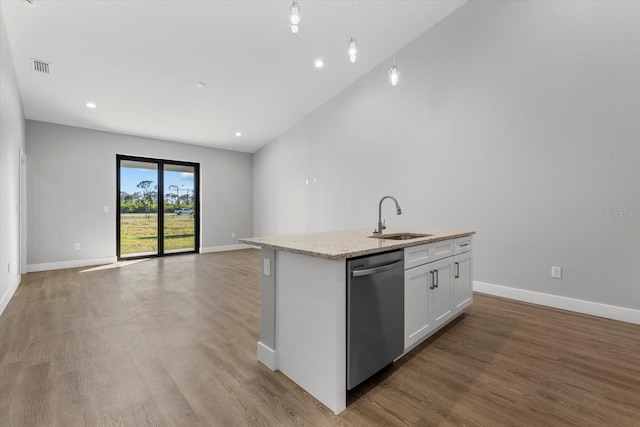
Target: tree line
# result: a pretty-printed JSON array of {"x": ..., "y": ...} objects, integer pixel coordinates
[{"x": 146, "y": 199}]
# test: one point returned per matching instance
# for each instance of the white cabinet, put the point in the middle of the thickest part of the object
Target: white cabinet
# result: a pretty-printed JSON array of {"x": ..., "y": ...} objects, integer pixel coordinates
[
  {"x": 437, "y": 286},
  {"x": 417, "y": 282},
  {"x": 462, "y": 282},
  {"x": 462, "y": 244},
  {"x": 415, "y": 256},
  {"x": 441, "y": 293}
]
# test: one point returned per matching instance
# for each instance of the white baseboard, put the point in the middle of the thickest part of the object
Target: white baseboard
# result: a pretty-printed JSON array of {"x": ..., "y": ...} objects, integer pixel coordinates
[
  {"x": 31, "y": 268},
  {"x": 225, "y": 248},
  {"x": 9, "y": 294},
  {"x": 267, "y": 356},
  {"x": 622, "y": 314}
]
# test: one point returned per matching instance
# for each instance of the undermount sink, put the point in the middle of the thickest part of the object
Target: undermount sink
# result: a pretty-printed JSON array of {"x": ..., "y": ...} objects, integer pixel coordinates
[{"x": 400, "y": 236}]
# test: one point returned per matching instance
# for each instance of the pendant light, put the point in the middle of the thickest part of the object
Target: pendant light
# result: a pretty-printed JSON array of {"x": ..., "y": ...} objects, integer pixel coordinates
[
  {"x": 394, "y": 74},
  {"x": 353, "y": 44},
  {"x": 294, "y": 17},
  {"x": 353, "y": 49}
]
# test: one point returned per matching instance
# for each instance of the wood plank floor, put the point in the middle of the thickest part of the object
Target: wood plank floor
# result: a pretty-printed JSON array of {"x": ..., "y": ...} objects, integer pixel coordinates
[{"x": 173, "y": 342}]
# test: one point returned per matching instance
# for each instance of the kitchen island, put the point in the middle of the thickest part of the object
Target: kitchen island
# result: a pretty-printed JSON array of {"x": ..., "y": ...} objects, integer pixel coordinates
[{"x": 303, "y": 320}]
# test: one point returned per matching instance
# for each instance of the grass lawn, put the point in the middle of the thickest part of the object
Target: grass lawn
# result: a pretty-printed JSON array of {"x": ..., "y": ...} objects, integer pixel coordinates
[{"x": 138, "y": 233}]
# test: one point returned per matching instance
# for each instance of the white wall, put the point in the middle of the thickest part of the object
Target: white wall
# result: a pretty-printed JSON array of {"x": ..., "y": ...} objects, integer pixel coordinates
[
  {"x": 72, "y": 176},
  {"x": 520, "y": 120},
  {"x": 12, "y": 140}
]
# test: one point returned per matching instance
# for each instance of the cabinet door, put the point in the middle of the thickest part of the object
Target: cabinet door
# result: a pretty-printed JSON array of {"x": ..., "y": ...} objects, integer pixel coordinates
[
  {"x": 462, "y": 283},
  {"x": 441, "y": 293},
  {"x": 416, "y": 304}
]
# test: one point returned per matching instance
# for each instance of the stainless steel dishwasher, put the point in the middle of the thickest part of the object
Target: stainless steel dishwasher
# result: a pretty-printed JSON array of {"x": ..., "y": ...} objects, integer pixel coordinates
[{"x": 375, "y": 314}]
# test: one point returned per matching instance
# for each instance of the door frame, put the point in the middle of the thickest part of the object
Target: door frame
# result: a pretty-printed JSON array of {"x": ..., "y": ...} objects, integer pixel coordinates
[
  {"x": 160, "y": 163},
  {"x": 22, "y": 211}
]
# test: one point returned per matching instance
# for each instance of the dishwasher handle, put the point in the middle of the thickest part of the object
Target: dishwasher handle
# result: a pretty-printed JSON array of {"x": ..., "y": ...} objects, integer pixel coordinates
[{"x": 370, "y": 271}]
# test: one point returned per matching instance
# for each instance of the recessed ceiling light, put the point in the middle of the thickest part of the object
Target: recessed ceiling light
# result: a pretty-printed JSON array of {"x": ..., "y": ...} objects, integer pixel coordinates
[
  {"x": 238, "y": 133},
  {"x": 91, "y": 105},
  {"x": 319, "y": 63},
  {"x": 200, "y": 84}
]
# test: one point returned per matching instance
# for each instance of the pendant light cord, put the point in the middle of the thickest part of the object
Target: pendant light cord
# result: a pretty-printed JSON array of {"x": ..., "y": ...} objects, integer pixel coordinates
[
  {"x": 393, "y": 30},
  {"x": 352, "y": 16}
]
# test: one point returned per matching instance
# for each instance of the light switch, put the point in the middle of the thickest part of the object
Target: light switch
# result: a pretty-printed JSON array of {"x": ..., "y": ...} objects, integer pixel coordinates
[
  {"x": 106, "y": 208},
  {"x": 267, "y": 267}
]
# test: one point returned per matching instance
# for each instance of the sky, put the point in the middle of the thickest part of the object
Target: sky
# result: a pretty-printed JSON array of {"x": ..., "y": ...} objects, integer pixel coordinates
[{"x": 130, "y": 177}]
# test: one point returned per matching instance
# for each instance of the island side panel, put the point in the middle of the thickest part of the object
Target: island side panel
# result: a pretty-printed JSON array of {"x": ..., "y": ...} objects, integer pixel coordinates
[
  {"x": 311, "y": 325},
  {"x": 267, "y": 344}
]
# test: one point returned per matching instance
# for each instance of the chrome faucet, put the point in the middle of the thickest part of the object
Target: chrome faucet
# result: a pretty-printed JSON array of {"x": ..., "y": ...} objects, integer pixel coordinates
[{"x": 381, "y": 225}]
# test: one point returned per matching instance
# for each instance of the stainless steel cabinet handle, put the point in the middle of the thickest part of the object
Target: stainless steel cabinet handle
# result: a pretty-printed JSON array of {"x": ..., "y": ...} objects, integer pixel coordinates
[
  {"x": 369, "y": 271},
  {"x": 457, "y": 270},
  {"x": 464, "y": 244},
  {"x": 437, "y": 279},
  {"x": 432, "y": 280}
]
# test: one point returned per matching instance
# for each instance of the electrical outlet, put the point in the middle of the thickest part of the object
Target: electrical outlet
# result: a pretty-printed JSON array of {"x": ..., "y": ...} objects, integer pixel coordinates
[
  {"x": 556, "y": 272},
  {"x": 105, "y": 208},
  {"x": 267, "y": 267},
  {"x": 76, "y": 246},
  {"x": 233, "y": 234}
]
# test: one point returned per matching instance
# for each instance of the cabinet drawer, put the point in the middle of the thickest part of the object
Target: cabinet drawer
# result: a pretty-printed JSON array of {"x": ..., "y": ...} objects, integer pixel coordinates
[
  {"x": 462, "y": 244},
  {"x": 422, "y": 254}
]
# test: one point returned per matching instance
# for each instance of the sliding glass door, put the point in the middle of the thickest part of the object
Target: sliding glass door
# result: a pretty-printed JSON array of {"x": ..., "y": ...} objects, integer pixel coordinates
[
  {"x": 179, "y": 208},
  {"x": 138, "y": 208},
  {"x": 158, "y": 207}
]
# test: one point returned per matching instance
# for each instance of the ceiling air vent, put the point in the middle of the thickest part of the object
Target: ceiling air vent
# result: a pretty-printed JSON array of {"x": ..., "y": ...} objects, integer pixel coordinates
[{"x": 40, "y": 66}]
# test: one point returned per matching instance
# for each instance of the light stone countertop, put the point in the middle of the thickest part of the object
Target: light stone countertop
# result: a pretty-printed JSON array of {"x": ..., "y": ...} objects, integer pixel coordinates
[{"x": 336, "y": 245}]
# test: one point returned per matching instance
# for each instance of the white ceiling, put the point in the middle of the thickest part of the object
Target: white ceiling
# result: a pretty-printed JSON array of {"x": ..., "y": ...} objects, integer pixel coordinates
[{"x": 140, "y": 60}]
